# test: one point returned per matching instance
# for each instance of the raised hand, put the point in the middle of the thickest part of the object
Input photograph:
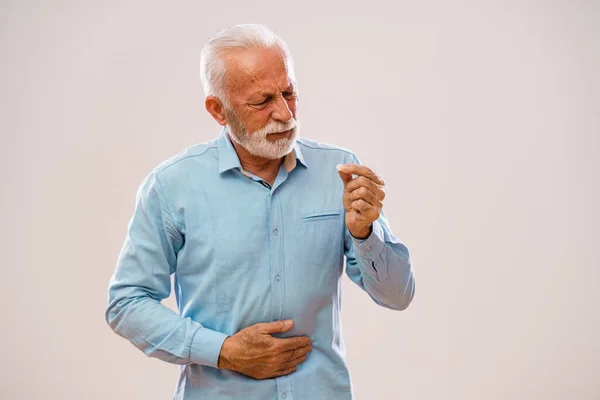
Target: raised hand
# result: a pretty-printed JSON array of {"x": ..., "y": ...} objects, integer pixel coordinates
[{"x": 363, "y": 198}]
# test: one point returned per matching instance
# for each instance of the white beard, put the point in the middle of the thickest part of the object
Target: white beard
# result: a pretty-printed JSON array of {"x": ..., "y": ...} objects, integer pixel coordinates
[{"x": 256, "y": 143}]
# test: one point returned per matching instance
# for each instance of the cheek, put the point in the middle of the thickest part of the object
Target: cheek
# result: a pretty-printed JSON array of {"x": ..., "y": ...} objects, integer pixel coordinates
[{"x": 256, "y": 120}]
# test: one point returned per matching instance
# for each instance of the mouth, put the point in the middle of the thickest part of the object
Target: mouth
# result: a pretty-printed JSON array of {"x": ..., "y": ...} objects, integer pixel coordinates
[{"x": 280, "y": 135}]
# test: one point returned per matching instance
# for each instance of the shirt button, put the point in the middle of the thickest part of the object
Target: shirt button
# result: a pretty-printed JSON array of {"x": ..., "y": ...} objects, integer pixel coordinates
[
  {"x": 275, "y": 231},
  {"x": 369, "y": 248},
  {"x": 283, "y": 395},
  {"x": 278, "y": 278}
]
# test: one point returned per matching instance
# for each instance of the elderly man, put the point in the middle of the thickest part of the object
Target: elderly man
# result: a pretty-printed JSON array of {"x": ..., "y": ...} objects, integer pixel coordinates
[{"x": 255, "y": 226}]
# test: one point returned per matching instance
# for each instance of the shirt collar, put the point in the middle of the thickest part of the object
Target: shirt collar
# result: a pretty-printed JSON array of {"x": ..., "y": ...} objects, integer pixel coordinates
[{"x": 228, "y": 158}]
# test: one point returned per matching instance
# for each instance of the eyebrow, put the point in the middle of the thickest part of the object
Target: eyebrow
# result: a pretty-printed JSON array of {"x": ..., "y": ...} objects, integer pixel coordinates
[
  {"x": 260, "y": 94},
  {"x": 264, "y": 94}
]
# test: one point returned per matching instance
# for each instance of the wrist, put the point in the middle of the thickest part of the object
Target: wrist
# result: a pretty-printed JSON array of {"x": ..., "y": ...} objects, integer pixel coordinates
[
  {"x": 363, "y": 233},
  {"x": 224, "y": 361}
]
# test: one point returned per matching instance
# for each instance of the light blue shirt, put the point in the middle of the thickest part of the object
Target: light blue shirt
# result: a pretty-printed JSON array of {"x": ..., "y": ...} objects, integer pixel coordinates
[{"x": 244, "y": 252}]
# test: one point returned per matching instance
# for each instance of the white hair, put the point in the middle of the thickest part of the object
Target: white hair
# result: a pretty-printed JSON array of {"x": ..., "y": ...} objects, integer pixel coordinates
[{"x": 213, "y": 67}]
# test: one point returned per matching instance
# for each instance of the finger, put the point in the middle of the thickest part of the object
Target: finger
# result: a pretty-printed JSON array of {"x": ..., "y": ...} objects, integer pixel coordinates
[
  {"x": 366, "y": 195},
  {"x": 345, "y": 177},
  {"x": 361, "y": 181},
  {"x": 292, "y": 343},
  {"x": 346, "y": 201},
  {"x": 287, "y": 371},
  {"x": 361, "y": 170},
  {"x": 275, "y": 326},
  {"x": 297, "y": 360},
  {"x": 362, "y": 206},
  {"x": 292, "y": 364},
  {"x": 290, "y": 355},
  {"x": 367, "y": 210}
]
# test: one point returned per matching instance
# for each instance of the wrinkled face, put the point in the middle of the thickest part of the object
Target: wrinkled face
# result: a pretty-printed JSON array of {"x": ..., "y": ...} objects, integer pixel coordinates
[{"x": 261, "y": 114}]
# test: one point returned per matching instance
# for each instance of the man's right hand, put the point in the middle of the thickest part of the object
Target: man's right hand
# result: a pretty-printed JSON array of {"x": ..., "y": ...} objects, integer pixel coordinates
[{"x": 255, "y": 353}]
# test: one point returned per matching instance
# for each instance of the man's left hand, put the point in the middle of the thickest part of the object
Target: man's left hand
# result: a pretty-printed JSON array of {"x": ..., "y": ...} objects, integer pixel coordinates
[{"x": 362, "y": 199}]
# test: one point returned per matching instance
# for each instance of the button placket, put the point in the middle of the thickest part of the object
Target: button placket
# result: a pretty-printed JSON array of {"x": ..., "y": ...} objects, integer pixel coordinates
[
  {"x": 284, "y": 388},
  {"x": 277, "y": 288}
]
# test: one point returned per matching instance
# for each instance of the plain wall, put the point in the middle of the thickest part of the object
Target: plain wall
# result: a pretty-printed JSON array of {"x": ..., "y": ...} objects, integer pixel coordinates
[{"x": 483, "y": 118}]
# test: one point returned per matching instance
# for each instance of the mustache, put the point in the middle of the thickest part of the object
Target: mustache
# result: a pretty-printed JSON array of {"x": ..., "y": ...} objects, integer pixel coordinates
[{"x": 278, "y": 127}]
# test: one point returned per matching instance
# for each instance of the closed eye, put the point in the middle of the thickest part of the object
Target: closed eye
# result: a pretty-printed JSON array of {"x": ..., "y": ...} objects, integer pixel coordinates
[
  {"x": 289, "y": 95},
  {"x": 262, "y": 103}
]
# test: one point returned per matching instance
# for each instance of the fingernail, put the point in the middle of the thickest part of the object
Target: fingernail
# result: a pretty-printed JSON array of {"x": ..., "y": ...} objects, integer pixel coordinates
[
  {"x": 339, "y": 167},
  {"x": 288, "y": 322}
]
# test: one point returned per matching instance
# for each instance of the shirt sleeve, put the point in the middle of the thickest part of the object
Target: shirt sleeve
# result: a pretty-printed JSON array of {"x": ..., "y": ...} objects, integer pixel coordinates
[
  {"x": 142, "y": 280},
  {"x": 380, "y": 264}
]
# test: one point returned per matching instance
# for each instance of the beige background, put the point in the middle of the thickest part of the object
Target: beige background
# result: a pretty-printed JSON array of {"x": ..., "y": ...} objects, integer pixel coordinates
[{"x": 483, "y": 117}]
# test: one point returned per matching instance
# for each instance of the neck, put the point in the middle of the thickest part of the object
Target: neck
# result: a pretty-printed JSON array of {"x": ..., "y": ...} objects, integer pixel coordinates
[{"x": 265, "y": 168}]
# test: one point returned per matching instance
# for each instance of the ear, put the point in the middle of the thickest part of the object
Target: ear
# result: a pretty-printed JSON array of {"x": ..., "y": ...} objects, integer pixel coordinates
[{"x": 215, "y": 108}]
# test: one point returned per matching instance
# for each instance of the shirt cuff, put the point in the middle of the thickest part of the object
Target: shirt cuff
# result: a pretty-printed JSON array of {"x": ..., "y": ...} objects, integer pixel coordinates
[
  {"x": 206, "y": 347},
  {"x": 369, "y": 251}
]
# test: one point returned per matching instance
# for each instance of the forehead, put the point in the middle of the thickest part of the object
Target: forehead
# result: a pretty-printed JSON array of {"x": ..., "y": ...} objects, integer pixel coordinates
[{"x": 257, "y": 70}]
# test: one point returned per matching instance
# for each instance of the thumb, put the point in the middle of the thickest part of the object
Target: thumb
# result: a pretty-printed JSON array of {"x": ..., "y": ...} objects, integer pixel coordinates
[
  {"x": 277, "y": 326},
  {"x": 345, "y": 177}
]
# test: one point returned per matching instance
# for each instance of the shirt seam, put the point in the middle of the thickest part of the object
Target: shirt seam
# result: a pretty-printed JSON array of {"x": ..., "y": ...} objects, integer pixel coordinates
[
  {"x": 167, "y": 202},
  {"x": 326, "y": 149},
  {"x": 173, "y": 162},
  {"x": 192, "y": 344}
]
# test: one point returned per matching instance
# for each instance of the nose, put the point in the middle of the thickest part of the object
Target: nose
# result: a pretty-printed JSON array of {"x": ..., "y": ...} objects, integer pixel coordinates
[{"x": 281, "y": 111}]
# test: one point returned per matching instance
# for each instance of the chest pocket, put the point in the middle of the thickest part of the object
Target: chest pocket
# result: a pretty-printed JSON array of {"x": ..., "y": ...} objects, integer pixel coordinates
[{"x": 323, "y": 233}]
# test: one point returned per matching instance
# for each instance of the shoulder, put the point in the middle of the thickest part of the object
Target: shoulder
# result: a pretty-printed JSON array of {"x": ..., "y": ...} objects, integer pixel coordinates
[
  {"x": 187, "y": 164},
  {"x": 205, "y": 154},
  {"x": 313, "y": 147}
]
